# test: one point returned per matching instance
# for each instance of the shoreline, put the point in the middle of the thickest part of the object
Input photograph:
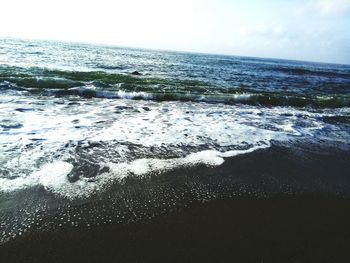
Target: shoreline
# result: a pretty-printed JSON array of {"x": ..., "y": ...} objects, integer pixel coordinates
[
  {"x": 281, "y": 204},
  {"x": 303, "y": 218}
]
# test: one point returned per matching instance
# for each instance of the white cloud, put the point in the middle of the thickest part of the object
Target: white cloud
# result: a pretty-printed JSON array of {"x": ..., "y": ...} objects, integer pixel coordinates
[{"x": 325, "y": 7}]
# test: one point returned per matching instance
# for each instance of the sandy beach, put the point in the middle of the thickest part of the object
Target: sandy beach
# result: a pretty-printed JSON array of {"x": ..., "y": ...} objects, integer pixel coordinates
[{"x": 293, "y": 229}]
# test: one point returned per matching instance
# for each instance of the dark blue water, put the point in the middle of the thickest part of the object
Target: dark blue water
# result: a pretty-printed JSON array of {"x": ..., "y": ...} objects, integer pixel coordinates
[{"x": 94, "y": 130}]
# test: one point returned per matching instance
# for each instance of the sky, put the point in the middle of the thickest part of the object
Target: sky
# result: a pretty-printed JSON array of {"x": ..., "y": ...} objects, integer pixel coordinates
[{"x": 313, "y": 30}]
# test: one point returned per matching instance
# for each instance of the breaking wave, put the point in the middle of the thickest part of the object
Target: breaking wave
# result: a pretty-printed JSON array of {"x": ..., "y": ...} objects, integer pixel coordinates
[{"x": 100, "y": 84}]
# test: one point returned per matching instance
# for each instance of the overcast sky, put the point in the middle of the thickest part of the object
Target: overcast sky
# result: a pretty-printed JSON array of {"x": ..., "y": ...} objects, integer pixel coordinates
[{"x": 316, "y": 30}]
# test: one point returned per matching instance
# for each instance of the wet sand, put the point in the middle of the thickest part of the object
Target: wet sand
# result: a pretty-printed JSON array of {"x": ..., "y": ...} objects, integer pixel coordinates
[
  {"x": 309, "y": 223},
  {"x": 279, "y": 229}
]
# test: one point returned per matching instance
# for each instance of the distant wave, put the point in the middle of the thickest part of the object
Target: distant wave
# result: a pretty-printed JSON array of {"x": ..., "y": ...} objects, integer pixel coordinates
[{"x": 310, "y": 71}]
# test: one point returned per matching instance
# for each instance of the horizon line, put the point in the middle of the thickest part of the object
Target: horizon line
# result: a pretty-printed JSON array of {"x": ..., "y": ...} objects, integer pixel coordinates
[{"x": 170, "y": 50}]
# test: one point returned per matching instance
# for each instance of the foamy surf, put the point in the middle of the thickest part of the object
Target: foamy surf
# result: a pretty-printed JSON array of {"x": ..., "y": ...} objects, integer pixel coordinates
[
  {"x": 75, "y": 148},
  {"x": 54, "y": 176}
]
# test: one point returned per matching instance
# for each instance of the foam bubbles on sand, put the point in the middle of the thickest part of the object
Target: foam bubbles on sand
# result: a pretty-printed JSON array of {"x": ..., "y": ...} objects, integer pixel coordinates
[
  {"x": 54, "y": 175},
  {"x": 50, "y": 175}
]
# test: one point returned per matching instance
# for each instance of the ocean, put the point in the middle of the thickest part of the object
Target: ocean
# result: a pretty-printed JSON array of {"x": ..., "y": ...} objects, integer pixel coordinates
[{"x": 95, "y": 135}]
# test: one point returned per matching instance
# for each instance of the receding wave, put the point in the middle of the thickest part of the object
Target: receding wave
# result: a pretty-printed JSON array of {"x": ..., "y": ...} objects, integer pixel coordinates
[{"x": 100, "y": 84}]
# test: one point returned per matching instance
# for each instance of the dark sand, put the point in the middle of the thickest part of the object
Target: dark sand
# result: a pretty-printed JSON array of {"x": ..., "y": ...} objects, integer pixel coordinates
[
  {"x": 284, "y": 229},
  {"x": 310, "y": 225}
]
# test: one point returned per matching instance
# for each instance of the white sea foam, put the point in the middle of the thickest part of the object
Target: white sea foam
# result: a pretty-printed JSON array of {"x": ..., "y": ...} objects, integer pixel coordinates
[
  {"x": 54, "y": 131},
  {"x": 9, "y": 185},
  {"x": 131, "y": 95},
  {"x": 242, "y": 97},
  {"x": 53, "y": 176}
]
